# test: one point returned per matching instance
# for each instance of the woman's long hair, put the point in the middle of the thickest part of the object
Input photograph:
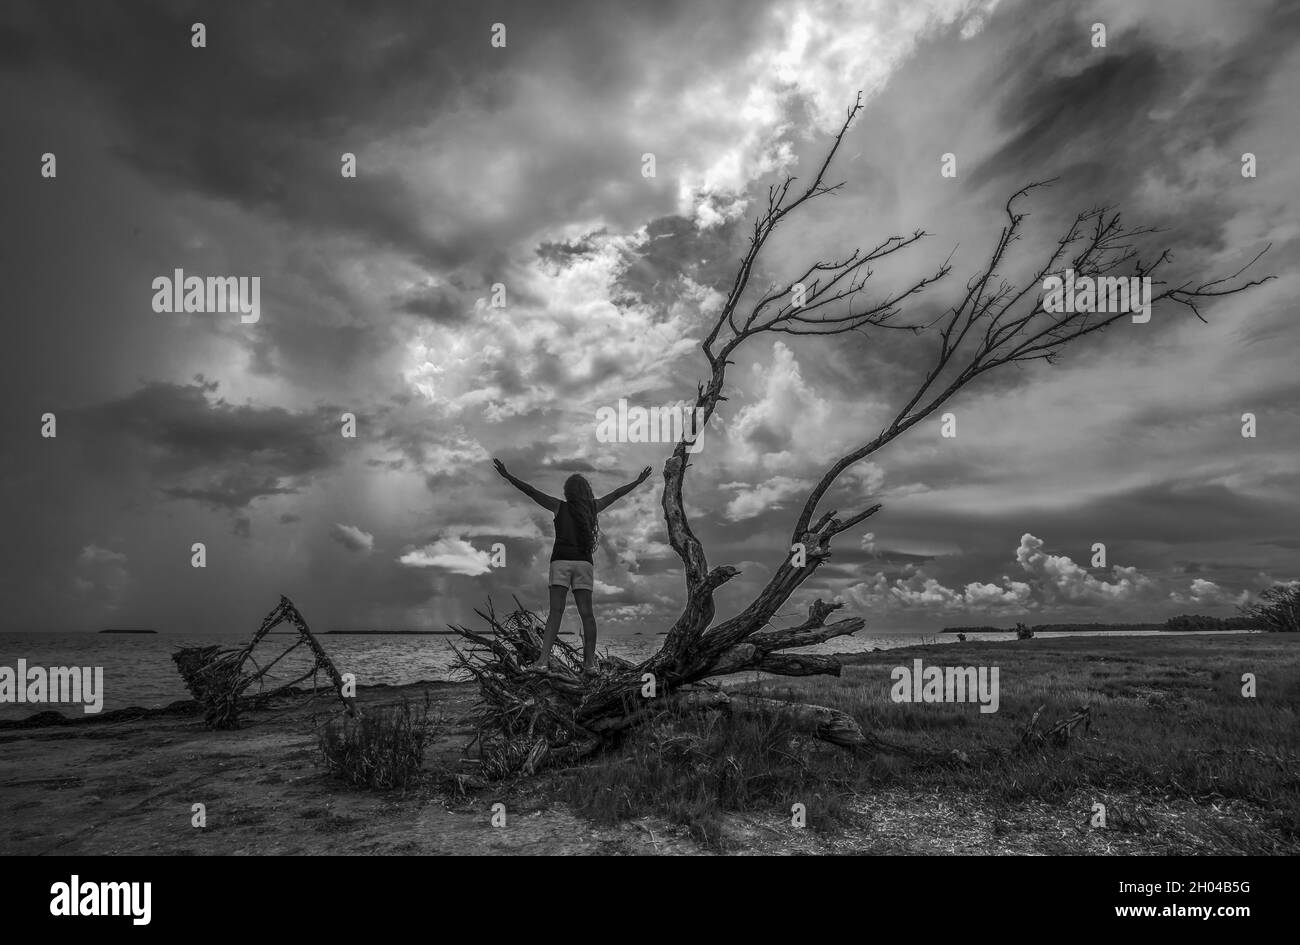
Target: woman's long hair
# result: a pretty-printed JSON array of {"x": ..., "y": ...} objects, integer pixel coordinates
[{"x": 582, "y": 503}]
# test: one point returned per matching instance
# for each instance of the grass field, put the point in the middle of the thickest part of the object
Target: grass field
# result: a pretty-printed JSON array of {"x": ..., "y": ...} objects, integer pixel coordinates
[{"x": 1181, "y": 760}]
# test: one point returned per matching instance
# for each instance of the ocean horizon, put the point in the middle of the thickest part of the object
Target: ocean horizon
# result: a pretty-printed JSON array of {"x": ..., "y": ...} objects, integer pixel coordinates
[{"x": 138, "y": 668}]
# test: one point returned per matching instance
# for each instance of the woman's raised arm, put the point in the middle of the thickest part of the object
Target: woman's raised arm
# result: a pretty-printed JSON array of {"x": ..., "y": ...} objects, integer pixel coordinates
[
  {"x": 548, "y": 502},
  {"x": 605, "y": 502}
]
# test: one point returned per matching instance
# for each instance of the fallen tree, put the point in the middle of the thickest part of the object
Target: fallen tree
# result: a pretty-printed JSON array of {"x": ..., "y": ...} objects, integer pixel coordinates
[
  {"x": 530, "y": 719},
  {"x": 217, "y": 679}
]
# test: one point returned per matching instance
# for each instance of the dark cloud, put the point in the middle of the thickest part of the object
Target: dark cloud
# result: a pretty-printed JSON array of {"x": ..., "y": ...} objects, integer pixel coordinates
[
  {"x": 675, "y": 247},
  {"x": 1094, "y": 116},
  {"x": 1056, "y": 120},
  {"x": 292, "y": 87},
  {"x": 571, "y": 464},
  {"x": 563, "y": 253},
  {"x": 288, "y": 102},
  {"x": 230, "y": 492},
  {"x": 437, "y": 304},
  {"x": 197, "y": 446}
]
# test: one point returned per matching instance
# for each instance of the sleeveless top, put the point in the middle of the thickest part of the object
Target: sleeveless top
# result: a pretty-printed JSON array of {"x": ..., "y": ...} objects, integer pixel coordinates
[{"x": 568, "y": 541}]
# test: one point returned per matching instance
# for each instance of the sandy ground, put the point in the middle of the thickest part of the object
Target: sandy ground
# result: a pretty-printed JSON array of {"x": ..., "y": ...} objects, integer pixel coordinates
[
  {"x": 129, "y": 786},
  {"x": 114, "y": 785}
]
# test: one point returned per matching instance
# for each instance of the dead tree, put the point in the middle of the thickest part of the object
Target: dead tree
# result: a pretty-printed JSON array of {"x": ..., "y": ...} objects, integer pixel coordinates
[{"x": 995, "y": 323}]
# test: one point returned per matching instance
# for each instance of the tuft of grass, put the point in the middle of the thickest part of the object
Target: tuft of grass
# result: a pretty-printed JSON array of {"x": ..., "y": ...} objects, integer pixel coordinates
[
  {"x": 382, "y": 750},
  {"x": 695, "y": 769}
]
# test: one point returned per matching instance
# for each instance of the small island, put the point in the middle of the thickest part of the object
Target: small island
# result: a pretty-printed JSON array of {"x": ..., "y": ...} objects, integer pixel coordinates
[
  {"x": 1184, "y": 623},
  {"x": 115, "y": 630},
  {"x": 1062, "y": 628}
]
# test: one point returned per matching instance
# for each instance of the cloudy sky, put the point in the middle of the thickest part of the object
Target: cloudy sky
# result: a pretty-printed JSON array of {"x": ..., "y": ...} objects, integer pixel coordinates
[{"x": 522, "y": 166}]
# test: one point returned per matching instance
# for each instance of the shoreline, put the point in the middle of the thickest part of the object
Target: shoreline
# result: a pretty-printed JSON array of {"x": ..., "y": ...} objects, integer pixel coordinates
[
  {"x": 126, "y": 782},
  {"x": 51, "y": 715}
]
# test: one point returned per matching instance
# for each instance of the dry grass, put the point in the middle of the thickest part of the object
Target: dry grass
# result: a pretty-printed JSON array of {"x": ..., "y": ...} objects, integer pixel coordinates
[
  {"x": 1182, "y": 761},
  {"x": 694, "y": 770},
  {"x": 383, "y": 750}
]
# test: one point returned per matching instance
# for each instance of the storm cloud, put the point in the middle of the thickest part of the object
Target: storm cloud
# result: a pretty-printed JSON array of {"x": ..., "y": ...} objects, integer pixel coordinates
[{"x": 500, "y": 268}]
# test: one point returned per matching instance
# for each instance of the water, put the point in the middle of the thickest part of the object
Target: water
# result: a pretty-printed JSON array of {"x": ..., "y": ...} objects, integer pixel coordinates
[{"x": 138, "y": 669}]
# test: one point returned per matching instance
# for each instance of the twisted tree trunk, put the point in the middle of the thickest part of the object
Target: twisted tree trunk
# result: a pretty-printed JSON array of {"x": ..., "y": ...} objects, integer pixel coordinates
[{"x": 529, "y": 719}]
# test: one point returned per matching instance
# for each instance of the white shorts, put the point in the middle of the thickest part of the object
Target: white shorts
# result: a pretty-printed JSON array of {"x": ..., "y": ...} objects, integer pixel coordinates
[{"x": 578, "y": 575}]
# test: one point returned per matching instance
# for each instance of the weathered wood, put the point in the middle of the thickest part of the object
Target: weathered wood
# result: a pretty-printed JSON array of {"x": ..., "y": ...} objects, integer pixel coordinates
[
  {"x": 799, "y": 664},
  {"x": 216, "y": 677},
  {"x": 826, "y": 724},
  {"x": 801, "y": 636}
]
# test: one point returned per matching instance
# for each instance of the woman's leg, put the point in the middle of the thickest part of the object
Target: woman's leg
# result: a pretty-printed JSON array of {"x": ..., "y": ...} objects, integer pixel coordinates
[
  {"x": 583, "y": 599},
  {"x": 559, "y": 597}
]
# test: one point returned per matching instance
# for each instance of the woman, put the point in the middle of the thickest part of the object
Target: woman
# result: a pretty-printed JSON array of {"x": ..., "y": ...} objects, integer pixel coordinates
[{"x": 572, "y": 567}]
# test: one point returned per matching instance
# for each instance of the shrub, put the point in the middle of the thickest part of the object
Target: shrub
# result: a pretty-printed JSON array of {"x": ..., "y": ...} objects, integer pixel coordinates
[
  {"x": 1278, "y": 608},
  {"x": 383, "y": 749}
]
